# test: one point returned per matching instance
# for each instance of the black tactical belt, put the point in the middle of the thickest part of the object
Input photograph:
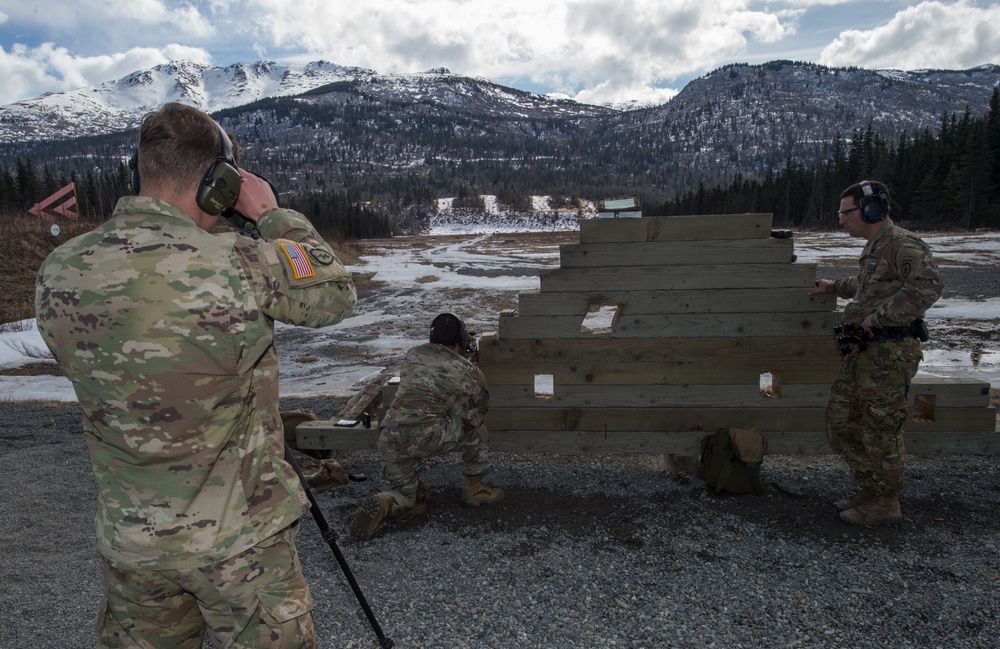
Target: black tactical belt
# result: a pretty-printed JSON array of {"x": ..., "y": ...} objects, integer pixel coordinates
[{"x": 853, "y": 337}]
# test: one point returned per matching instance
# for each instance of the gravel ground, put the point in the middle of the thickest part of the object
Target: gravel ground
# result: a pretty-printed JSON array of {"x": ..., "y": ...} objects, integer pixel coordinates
[{"x": 585, "y": 551}]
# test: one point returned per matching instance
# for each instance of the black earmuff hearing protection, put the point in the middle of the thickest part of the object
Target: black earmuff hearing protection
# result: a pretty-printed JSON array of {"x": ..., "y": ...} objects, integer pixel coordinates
[
  {"x": 874, "y": 207},
  {"x": 220, "y": 187}
]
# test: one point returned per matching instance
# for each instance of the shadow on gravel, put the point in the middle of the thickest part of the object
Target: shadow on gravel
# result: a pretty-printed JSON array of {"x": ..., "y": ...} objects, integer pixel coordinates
[
  {"x": 544, "y": 516},
  {"x": 812, "y": 519}
]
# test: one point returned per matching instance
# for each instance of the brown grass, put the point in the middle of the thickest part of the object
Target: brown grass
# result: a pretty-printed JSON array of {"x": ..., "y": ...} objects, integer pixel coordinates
[{"x": 25, "y": 242}]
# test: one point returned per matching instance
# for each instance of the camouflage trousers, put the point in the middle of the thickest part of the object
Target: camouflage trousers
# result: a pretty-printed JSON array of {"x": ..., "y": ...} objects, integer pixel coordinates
[
  {"x": 257, "y": 598},
  {"x": 867, "y": 410},
  {"x": 402, "y": 451}
]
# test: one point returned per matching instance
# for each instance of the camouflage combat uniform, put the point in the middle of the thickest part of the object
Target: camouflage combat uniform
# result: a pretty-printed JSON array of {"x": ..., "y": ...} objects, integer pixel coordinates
[
  {"x": 897, "y": 282},
  {"x": 440, "y": 404},
  {"x": 166, "y": 332}
]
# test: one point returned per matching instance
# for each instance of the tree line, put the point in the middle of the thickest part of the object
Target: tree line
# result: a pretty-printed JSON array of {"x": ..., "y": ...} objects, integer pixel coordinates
[
  {"x": 336, "y": 213},
  {"x": 947, "y": 180}
]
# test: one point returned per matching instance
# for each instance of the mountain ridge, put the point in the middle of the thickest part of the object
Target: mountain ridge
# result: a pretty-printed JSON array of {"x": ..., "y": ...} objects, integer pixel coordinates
[{"x": 319, "y": 126}]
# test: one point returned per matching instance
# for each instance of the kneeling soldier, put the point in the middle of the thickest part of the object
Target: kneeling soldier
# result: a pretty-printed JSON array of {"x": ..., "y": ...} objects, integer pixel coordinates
[{"x": 440, "y": 405}]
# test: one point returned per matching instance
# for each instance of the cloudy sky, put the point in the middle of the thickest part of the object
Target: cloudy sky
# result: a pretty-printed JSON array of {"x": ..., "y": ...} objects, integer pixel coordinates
[{"x": 590, "y": 50}]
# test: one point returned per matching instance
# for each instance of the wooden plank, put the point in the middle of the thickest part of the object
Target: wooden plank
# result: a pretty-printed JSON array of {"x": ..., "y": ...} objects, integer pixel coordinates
[
  {"x": 677, "y": 228},
  {"x": 367, "y": 399},
  {"x": 707, "y": 276},
  {"x": 493, "y": 349},
  {"x": 688, "y": 325},
  {"x": 661, "y": 396},
  {"x": 651, "y": 419},
  {"x": 585, "y": 372},
  {"x": 763, "y": 300},
  {"x": 689, "y": 443},
  {"x": 676, "y": 253},
  {"x": 668, "y": 419},
  {"x": 323, "y": 435},
  {"x": 952, "y": 392}
]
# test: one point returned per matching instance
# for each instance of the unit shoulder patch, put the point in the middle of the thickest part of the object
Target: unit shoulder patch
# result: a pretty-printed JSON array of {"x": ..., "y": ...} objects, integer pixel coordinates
[
  {"x": 321, "y": 256},
  {"x": 908, "y": 263}
]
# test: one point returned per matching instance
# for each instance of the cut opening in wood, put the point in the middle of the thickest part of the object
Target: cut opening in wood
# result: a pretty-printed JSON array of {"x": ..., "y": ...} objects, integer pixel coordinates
[
  {"x": 770, "y": 384},
  {"x": 923, "y": 407},
  {"x": 600, "y": 319},
  {"x": 545, "y": 386}
]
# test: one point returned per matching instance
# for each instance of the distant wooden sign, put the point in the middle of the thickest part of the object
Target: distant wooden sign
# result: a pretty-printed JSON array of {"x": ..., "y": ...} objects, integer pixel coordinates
[
  {"x": 619, "y": 207},
  {"x": 67, "y": 208}
]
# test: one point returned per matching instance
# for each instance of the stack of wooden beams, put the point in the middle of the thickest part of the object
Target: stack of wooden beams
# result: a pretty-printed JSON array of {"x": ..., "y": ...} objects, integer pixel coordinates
[{"x": 656, "y": 331}]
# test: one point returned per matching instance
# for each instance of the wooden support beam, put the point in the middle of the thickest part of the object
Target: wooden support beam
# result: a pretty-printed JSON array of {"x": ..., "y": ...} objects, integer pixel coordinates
[
  {"x": 685, "y": 325},
  {"x": 493, "y": 349},
  {"x": 952, "y": 392},
  {"x": 724, "y": 371},
  {"x": 679, "y": 419},
  {"x": 689, "y": 443},
  {"x": 648, "y": 397},
  {"x": 707, "y": 276},
  {"x": 367, "y": 399},
  {"x": 323, "y": 435},
  {"x": 676, "y": 253},
  {"x": 764, "y": 300},
  {"x": 677, "y": 228}
]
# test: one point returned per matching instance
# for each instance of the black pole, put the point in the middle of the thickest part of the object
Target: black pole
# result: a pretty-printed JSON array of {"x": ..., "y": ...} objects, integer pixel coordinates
[{"x": 330, "y": 536}]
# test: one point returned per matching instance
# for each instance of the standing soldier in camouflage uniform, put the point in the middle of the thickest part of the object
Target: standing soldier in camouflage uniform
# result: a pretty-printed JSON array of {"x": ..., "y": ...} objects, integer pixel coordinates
[
  {"x": 880, "y": 339},
  {"x": 440, "y": 405},
  {"x": 167, "y": 333}
]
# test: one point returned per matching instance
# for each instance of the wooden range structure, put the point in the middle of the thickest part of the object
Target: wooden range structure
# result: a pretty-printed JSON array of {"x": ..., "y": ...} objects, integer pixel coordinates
[{"x": 655, "y": 331}]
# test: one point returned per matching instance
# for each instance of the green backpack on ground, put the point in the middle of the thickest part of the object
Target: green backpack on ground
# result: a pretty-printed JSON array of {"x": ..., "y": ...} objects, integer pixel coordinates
[{"x": 731, "y": 459}]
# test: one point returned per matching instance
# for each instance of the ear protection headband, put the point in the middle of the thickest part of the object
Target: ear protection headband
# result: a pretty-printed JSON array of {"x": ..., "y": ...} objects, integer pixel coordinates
[
  {"x": 219, "y": 188},
  {"x": 874, "y": 207}
]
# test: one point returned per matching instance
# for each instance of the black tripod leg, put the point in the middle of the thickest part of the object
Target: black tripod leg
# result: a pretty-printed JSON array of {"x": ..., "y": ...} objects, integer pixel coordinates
[{"x": 330, "y": 536}]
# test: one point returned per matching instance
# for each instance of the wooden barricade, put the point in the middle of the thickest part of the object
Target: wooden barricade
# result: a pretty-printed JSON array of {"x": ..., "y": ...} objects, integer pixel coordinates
[{"x": 656, "y": 331}]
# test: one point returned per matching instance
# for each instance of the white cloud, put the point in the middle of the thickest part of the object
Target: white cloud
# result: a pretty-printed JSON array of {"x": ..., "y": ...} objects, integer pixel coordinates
[
  {"x": 115, "y": 22},
  {"x": 594, "y": 50},
  {"x": 591, "y": 50},
  {"x": 932, "y": 34}
]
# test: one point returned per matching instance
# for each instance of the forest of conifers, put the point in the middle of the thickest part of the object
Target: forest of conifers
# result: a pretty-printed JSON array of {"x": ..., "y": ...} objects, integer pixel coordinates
[{"x": 948, "y": 179}]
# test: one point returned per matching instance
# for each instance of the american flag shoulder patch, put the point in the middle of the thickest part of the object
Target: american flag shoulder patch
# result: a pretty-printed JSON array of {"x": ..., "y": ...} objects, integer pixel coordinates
[{"x": 301, "y": 267}]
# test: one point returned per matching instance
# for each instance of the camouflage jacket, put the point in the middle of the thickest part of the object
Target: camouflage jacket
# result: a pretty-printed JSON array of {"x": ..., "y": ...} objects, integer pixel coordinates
[
  {"x": 897, "y": 281},
  {"x": 166, "y": 332},
  {"x": 439, "y": 392}
]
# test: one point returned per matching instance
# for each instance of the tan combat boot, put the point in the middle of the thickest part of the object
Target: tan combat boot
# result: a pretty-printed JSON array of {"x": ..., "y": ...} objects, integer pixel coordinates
[
  {"x": 859, "y": 498},
  {"x": 418, "y": 509},
  {"x": 373, "y": 511},
  {"x": 877, "y": 511},
  {"x": 475, "y": 492},
  {"x": 423, "y": 493}
]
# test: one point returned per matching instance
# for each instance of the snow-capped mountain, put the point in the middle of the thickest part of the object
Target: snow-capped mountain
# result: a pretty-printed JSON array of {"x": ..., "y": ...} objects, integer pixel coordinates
[
  {"x": 119, "y": 105},
  {"x": 319, "y": 125}
]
